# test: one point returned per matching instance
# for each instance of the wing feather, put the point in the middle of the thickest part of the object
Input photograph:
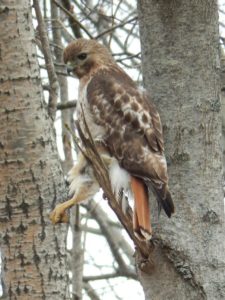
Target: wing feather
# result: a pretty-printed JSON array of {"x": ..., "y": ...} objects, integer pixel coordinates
[
  {"x": 118, "y": 105},
  {"x": 133, "y": 129}
]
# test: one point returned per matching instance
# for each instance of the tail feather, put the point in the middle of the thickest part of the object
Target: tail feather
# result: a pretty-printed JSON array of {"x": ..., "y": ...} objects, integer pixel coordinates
[
  {"x": 141, "y": 218},
  {"x": 165, "y": 199}
]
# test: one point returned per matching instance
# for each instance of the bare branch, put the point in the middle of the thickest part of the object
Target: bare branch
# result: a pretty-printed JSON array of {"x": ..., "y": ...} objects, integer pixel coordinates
[
  {"x": 53, "y": 81},
  {"x": 73, "y": 18},
  {"x": 112, "y": 236},
  {"x": 222, "y": 24},
  {"x": 118, "y": 273},
  {"x": 129, "y": 57},
  {"x": 90, "y": 291},
  {"x": 66, "y": 34},
  {"x": 74, "y": 25},
  {"x": 57, "y": 72},
  {"x": 77, "y": 253},
  {"x": 115, "y": 27},
  {"x": 65, "y": 116},
  {"x": 67, "y": 105},
  {"x": 100, "y": 277}
]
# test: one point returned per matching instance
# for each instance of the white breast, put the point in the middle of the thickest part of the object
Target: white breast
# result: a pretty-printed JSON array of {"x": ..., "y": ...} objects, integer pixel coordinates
[{"x": 97, "y": 132}]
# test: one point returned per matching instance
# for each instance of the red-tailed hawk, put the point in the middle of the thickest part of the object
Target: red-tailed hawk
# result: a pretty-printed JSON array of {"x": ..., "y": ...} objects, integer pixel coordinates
[{"x": 127, "y": 128}]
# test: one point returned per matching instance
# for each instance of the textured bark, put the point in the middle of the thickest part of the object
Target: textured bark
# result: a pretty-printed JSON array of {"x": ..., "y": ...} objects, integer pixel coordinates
[
  {"x": 31, "y": 178},
  {"x": 181, "y": 71},
  {"x": 222, "y": 81}
]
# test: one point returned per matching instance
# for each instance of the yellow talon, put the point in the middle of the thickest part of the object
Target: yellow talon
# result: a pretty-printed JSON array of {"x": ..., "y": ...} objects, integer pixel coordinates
[{"x": 58, "y": 215}]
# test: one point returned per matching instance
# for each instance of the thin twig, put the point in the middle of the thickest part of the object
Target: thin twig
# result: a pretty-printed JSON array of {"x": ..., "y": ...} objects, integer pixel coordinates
[
  {"x": 58, "y": 72},
  {"x": 64, "y": 96},
  {"x": 67, "y": 105},
  {"x": 130, "y": 57},
  {"x": 66, "y": 33},
  {"x": 53, "y": 81},
  {"x": 90, "y": 291},
  {"x": 118, "y": 245},
  {"x": 115, "y": 27},
  {"x": 113, "y": 20},
  {"x": 128, "y": 274},
  {"x": 74, "y": 25},
  {"x": 72, "y": 17}
]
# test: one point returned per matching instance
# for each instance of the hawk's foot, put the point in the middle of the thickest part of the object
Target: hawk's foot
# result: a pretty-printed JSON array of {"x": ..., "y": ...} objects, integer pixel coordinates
[{"x": 58, "y": 215}]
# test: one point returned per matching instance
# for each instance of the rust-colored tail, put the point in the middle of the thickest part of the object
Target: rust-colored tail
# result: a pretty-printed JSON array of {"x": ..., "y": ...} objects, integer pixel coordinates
[{"x": 141, "y": 218}]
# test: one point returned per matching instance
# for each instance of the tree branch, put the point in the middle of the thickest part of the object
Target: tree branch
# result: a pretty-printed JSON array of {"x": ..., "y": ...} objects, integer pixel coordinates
[
  {"x": 115, "y": 27},
  {"x": 53, "y": 81},
  {"x": 73, "y": 18},
  {"x": 57, "y": 72},
  {"x": 74, "y": 25},
  {"x": 66, "y": 34},
  {"x": 90, "y": 291},
  {"x": 63, "y": 84},
  {"x": 118, "y": 273},
  {"x": 67, "y": 105},
  {"x": 113, "y": 236}
]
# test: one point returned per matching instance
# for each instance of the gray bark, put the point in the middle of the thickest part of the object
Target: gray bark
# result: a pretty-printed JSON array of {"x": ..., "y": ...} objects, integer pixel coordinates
[
  {"x": 222, "y": 79},
  {"x": 180, "y": 59},
  {"x": 31, "y": 178}
]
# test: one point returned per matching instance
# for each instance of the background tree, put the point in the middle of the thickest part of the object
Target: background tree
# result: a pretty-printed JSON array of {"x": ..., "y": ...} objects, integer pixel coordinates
[
  {"x": 31, "y": 178},
  {"x": 180, "y": 59}
]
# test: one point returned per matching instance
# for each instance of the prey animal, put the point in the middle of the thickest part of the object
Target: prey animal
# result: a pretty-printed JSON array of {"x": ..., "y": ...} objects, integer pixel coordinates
[{"x": 127, "y": 130}]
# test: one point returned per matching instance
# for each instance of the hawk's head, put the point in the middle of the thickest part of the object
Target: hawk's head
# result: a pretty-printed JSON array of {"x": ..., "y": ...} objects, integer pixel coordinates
[{"x": 84, "y": 55}]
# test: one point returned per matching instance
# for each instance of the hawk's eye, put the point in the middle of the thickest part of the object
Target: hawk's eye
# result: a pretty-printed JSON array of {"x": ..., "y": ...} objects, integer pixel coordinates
[{"x": 82, "y": 56}]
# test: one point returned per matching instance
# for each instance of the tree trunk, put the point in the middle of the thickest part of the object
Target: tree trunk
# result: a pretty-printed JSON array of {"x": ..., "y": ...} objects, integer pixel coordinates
[
  {"x": 180, "y": 57},
  {"x": 31, "y": 178}
]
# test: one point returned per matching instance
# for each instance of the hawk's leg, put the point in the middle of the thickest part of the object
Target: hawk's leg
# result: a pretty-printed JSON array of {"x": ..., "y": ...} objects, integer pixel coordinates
[
  {"x": 58, "y": 215},
  {"x": 84, "y": 192},
  {"x": 141, "y": 216},
  {"x": 83, "y": 186}
]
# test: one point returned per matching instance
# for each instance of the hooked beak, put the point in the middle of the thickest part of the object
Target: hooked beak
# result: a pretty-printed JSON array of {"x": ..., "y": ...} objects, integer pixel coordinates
[{"x": 69, "y": 69}]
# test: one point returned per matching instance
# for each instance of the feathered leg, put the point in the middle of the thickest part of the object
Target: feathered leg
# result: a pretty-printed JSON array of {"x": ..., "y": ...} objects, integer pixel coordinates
[
  {"x": 141, "y": 218},
  {"x": 58, "y": 215},
  {"x": 85, "y": 192},
  {"x": 83, "y": 185}
]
